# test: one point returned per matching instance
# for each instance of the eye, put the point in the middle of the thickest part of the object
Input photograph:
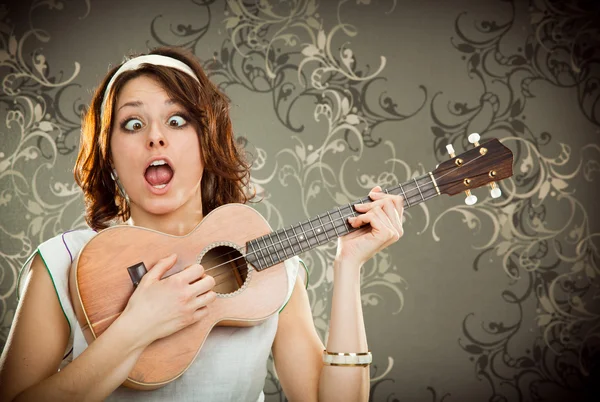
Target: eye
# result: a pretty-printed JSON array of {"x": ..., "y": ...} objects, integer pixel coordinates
[
  {"x": 177, "y": 121},
  {"x": 133, "y": 125}
]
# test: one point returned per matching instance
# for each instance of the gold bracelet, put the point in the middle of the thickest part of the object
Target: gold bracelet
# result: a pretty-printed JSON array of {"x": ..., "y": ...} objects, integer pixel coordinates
[{"x": 347, "y": 359}]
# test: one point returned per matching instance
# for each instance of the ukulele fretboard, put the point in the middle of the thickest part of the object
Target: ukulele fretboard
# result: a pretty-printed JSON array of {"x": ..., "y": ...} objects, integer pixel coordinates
[{"x": 282, "y": 244}]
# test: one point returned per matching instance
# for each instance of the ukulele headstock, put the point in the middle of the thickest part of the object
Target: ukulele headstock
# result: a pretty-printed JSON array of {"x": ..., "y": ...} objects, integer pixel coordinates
[{"x": 487, "y": 163}]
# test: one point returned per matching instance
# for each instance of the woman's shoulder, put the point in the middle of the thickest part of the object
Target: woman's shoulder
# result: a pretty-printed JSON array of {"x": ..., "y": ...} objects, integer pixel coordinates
[
  {"x": 68, "y": 243},
  {"x": 71, "y": 236},
  {"x": 59, "y": 252}
]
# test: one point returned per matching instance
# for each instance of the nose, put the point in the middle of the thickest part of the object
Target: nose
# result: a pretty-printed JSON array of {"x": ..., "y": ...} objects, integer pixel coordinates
[{"x": 156, "y": 137}]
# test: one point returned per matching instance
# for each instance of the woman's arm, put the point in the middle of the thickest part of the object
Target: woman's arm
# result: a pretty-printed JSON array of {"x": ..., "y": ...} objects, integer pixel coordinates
[
  {"x": 297, "y": 349},
  {"x": 40, "y": 332},
  {"x": 37, "y": 342}
]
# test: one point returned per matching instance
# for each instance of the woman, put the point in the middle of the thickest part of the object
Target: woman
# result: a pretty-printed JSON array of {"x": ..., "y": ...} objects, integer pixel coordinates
[{"x": 157, "y": 151}]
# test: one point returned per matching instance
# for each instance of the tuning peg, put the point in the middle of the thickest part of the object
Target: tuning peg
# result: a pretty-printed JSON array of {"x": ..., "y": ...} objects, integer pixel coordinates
[
  {"x": 474, "y": 139},
  {"x": 471, "y": 199},
  {"x": 450, "y": 150},
  {"x": 495, "y": 192}
]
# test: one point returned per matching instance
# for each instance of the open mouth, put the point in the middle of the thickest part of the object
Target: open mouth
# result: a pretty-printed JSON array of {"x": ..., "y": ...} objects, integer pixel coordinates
[{"x": 159, "y": 174}]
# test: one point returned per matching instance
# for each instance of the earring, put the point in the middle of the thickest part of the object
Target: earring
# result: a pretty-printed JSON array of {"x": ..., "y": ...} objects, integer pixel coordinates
[{"x": 115, "y": 177}]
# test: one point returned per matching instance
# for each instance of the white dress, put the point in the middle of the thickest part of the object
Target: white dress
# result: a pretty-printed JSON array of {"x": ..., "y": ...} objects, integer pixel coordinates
[{"x": 231, "y": 366}]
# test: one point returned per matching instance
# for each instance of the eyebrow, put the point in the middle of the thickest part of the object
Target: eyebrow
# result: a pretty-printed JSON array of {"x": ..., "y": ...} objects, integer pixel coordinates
[{"x": 140, "y": 103}]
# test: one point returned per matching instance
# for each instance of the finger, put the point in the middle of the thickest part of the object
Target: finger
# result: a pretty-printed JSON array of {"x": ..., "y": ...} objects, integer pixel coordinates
[
  {"x": 376, "y": 192},
  {"x": 388, "y": 231},
  {"x": 399, "y": 205},
  {"x": 191, "y": 274},
  {"x": 389, "y": 208},
  {"x": 202, "y": 286},
  {"x": 367, "y": 218},
  {"x": 381, "y": 194},
  {"x": 204, "y": 300},
  {"x": 379, "y": 199},
  {"x": 358, "y": 221},
  {"x": 163, "y": 265},
  {"x": 383, "y": 213},
  {"x": 199, "y": 314}
]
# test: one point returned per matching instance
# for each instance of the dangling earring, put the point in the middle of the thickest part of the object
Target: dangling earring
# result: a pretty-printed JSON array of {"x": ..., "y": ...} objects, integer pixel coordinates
[{"x": 115, "y": 177}]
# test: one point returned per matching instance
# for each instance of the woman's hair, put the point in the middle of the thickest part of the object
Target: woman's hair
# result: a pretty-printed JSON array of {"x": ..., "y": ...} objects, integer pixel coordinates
[{"x": 226, "y": 171}]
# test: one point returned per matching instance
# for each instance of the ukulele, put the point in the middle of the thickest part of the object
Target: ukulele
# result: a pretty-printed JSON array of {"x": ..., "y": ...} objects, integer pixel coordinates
[{"x": 235, "y": 245}]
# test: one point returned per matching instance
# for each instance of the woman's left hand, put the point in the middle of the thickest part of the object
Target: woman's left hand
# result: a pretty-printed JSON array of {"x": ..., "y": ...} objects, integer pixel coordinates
[{"x": 384, "y": 218}]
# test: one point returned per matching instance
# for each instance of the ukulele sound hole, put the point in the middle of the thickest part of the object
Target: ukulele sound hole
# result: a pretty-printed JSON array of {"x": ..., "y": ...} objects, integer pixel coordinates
[{"x": 227, "y": 266}]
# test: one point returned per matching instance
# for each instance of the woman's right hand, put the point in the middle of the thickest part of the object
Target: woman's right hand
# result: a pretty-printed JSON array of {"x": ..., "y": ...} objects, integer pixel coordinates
[{"x": 161, "y": 307}]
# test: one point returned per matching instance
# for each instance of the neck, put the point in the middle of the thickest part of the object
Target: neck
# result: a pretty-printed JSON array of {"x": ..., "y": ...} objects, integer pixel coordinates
[
  {"x": 280, "y": 245},
  {"x": 178, "y": 222}
]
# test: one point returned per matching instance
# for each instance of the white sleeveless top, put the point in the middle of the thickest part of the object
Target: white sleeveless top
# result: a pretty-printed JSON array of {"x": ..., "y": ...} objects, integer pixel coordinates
[{"x": 231, "y": 366}]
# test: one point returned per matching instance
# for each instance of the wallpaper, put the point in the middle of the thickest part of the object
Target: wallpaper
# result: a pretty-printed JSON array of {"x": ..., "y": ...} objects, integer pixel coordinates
[{"x": 497, "y": 301}]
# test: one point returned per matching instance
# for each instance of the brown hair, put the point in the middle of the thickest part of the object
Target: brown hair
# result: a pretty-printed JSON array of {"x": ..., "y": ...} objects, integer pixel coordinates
[{"x": 226, "y": 171}]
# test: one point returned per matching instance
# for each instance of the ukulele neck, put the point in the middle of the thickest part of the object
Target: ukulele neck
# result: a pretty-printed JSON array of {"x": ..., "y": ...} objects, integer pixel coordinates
[{"x": 277, "y": 246}]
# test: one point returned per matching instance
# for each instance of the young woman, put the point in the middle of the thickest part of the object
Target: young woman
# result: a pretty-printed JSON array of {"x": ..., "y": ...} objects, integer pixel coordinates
[{"x": 157, "y": 151}]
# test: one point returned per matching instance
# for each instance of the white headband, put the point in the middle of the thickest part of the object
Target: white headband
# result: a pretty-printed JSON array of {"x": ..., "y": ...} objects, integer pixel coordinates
[{"x": 155, "y": 59}]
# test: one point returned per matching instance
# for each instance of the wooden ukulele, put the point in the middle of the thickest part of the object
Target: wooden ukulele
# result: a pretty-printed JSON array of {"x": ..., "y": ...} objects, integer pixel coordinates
[{"x": 237, "y": 247}]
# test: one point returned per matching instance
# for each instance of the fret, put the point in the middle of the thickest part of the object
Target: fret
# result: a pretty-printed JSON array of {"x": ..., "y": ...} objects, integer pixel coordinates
[
  {"x": 320, "y": 230},
  {"x": 434, "y": 183},
  {"x": 270, "y": 237},
  {"x": 343, "y": 219},
  {"x": 289, "y": 241},
  {"x": 267, "y": 246},
  {"x": 352, "y": 210},
  {"x": 274, "y": 247},
  {"x": 404, "y": 195},
  {"x": 386, "y": 191},
  {"x": 423, "y": 198},
  {"x": 250, "y": 251},
  {"x": 304, "y": 234},
  {"x": 314, "y": 231},
  {"x": 428, "y": 187},
  {"x": 299, "y": 243},
  {"x": 323, "y": 226},
  {"x": 261, "y": 251},
  {"x": 333, "y": 224},
  {"x": 282, "y": 245}
]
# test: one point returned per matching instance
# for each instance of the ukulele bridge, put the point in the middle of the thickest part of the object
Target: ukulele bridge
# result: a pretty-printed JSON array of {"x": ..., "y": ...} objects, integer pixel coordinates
[{"x": 136, "y": 272}]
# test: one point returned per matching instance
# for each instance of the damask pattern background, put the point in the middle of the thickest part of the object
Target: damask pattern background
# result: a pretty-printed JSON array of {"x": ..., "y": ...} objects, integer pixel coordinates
[{"x": 492, "y": 302}]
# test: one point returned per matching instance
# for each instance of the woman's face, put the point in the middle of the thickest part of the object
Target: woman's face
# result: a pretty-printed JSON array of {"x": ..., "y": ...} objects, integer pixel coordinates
[{"x": 155, "y": 149}]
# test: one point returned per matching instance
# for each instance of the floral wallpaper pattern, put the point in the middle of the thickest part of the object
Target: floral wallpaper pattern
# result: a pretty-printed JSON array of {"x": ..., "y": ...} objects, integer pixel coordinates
[{"x": 497, "y": 301}]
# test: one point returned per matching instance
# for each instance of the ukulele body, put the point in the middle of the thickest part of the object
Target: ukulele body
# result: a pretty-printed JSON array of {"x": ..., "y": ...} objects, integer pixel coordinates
[{"x": 101, "y": 285}]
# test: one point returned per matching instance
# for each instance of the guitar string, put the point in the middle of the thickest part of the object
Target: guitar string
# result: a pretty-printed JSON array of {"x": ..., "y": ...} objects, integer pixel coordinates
[
  {"x": 337, "y": 219},
  {"x": 243, "y": 271},
  {"x": 320, "y": 226},
  {"x": 341, "y": 218}
]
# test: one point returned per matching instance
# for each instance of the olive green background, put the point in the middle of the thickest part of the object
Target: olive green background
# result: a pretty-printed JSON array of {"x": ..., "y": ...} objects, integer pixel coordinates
[{"x": 492, "y": 302}]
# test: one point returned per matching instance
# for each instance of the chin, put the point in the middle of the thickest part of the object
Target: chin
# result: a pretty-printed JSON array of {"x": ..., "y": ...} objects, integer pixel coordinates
[{"x": 160, "y": 208}]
